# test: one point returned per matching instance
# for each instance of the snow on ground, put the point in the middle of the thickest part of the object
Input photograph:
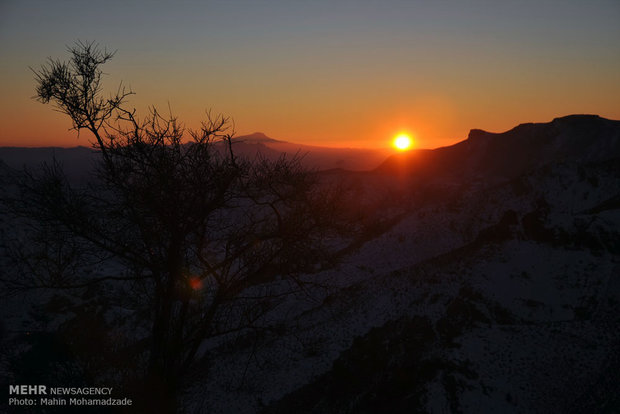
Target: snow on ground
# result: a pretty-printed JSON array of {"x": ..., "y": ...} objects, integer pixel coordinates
[{"x": 417, "y": 268}]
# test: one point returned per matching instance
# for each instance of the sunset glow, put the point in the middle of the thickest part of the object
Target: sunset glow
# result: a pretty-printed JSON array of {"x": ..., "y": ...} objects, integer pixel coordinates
[{"x": 343, "y": 78}]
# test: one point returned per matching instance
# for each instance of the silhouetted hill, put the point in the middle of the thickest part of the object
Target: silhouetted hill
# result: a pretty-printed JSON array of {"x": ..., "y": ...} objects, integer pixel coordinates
[
  {"x": 501, "y": 296},
  {"x": 255, "y": 137},
  {"x": 574, "y": 138}
]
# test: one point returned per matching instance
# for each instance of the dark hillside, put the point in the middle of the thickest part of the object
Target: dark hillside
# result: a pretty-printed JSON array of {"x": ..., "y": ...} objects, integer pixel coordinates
[{"x": 486, "y": 155}]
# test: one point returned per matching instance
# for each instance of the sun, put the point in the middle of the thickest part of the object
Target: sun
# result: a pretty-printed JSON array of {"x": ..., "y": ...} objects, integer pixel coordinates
[{"x": 402, "y": 142}]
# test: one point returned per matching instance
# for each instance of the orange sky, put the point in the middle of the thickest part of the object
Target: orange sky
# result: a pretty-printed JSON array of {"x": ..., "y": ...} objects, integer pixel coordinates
[{"x": 348, "y": 74}]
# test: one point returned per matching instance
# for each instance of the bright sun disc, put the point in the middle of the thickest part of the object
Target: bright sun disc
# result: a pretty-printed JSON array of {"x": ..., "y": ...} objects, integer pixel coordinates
[{"x": 402, "y": 142}]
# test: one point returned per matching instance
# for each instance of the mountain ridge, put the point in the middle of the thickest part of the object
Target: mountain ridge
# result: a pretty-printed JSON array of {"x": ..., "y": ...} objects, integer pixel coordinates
[{"x": 580, "y": 138}]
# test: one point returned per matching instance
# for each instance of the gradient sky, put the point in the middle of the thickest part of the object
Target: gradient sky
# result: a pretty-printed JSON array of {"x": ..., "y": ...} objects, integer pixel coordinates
[{"x": 337, "y": 73}]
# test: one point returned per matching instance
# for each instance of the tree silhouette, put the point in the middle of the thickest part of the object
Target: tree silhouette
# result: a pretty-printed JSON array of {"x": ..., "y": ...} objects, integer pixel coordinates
[{"x": 192, "y": 240}]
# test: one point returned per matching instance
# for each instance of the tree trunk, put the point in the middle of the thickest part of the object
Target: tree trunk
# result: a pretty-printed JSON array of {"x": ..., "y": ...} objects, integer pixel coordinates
[{"x": 162, "y": 381}]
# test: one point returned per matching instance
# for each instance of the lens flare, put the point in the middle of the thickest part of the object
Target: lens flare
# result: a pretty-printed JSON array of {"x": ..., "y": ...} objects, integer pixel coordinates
[{"x": 195, "y": 283}]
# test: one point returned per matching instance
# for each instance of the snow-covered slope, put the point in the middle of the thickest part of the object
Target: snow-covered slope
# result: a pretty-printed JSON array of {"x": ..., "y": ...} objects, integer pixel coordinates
[
  {"x": 495, "y": 292},
  {"x": 492, "y": 286}
]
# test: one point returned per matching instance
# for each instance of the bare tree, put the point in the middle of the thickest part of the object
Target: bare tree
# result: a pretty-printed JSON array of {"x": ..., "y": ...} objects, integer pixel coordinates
[{"x": 205, "y": 242}]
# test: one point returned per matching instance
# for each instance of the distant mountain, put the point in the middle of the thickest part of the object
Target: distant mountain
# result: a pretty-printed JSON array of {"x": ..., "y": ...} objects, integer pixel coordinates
[
  {"x": 255, "y": 137},
  {"x": 322, "y": 158},
  {"x": 78, "y": 160}
]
